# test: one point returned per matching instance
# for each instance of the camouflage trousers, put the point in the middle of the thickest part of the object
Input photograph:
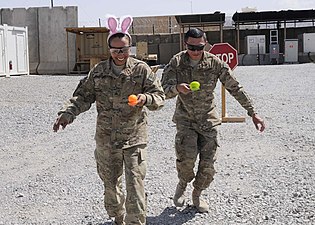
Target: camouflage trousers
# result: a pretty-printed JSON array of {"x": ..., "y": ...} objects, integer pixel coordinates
[
  {"x": 191, "y": 141},
  {"x": 110, "y": 163}
]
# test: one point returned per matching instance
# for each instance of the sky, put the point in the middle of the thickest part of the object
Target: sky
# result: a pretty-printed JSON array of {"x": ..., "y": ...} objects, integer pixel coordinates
[{"x": 91, "y": 11}]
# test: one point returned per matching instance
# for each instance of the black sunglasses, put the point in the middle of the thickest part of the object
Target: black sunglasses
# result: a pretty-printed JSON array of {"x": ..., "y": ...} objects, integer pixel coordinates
[{"x": 195, "y": 47}]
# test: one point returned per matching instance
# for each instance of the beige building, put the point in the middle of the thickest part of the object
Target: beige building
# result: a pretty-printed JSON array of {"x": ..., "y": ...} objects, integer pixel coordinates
[
  {"x": 159, "y": 25},
  {"x": 154, "y": 25}
]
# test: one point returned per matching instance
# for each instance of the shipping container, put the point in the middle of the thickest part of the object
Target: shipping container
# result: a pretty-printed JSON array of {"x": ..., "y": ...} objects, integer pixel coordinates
[{"x": 91, "y": 47}]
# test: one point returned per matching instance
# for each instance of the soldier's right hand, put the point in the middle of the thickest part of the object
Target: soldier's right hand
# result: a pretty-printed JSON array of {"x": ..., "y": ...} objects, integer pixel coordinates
[
  {"x": 62, "y": 120},
  {"x": 183, "y": 88}
]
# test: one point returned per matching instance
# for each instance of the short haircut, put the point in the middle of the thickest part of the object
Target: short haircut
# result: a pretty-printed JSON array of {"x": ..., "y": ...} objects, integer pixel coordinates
[
  {"x": 120, "y": 36},
  {"x": 195, "y": 33}
]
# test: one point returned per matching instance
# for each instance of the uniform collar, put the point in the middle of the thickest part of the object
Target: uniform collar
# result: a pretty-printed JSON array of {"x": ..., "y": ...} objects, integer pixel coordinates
[
  {"x": 125, "y": 71},
  {"x": 203, "y": 60}
]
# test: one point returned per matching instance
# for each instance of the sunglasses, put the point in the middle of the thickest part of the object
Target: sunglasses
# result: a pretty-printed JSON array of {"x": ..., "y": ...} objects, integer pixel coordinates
[
  {"x": 124, "y": 50},
  {"x": 195, "y": 47}
]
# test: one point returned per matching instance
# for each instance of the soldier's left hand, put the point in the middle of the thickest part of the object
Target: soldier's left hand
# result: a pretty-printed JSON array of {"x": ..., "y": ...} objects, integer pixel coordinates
[{"x": 259, "y": 123}]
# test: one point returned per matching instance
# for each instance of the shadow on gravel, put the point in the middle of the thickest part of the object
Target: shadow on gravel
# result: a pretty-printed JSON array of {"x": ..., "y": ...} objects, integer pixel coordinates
[{"x": 172, "y": 216}]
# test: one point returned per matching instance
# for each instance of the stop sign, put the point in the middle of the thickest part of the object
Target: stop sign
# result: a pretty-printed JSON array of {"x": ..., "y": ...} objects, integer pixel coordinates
[{"x": 226, "y": 53}]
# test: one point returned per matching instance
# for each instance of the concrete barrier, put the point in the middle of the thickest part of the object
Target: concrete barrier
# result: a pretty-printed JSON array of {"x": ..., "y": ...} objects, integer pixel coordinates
[{"x": 52, "y": 39}]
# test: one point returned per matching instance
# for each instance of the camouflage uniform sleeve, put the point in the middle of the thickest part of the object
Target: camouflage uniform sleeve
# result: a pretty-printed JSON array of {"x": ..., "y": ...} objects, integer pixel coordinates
[
  {"x": 236, "y": 90},
  {"x": 82, "y": 98},
  {"x": 153, "y": 91},
  {"x": 169, "y": 80}
]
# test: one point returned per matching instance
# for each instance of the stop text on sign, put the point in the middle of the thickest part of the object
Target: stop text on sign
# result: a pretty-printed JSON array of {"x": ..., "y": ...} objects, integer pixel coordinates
[{"x": 225, "y": 57}]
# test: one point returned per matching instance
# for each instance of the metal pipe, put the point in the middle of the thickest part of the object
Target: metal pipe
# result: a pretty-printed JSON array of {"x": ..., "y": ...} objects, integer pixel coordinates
[{"x": 38, "y": 39}]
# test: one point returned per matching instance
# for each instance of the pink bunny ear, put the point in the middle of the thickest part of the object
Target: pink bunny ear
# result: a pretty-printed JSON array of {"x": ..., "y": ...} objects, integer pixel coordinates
[
  {"x": 112, "y": 24},
  {"x": 126, "y": 22},
  {"x": 114, "y": 27}
]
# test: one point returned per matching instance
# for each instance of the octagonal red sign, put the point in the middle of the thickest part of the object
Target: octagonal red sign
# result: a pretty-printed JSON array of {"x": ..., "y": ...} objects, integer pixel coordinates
[{"x": 226, "y": 53}]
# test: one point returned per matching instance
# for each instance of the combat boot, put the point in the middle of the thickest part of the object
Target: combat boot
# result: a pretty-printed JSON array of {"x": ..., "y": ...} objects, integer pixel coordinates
[
  {"x": 119, "y": 220},
  {"x": 200, "y": 204},
  {"x": 179, "y": 198}
]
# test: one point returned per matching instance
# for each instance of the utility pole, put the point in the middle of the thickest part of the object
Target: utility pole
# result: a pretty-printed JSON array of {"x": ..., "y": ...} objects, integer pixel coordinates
[
  {"x": 191, "y": 9},
  {"x": 52, "y": 3}
]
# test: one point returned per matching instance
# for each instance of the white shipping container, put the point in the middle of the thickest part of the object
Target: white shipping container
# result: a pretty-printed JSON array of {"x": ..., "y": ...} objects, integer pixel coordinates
[
  {"x": 308, "y": 42},
  {"x": 14, "y": 55},
  {"x": 255, "y": 42}
]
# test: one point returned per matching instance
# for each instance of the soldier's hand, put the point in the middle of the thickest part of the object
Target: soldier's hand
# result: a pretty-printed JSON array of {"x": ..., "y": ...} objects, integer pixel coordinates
[
  {"x": 259, "y": 123},
  {"x": 183, "y": 88},
  {"x": 62, "y": 120},
  {"x": 142, "y": 99}
]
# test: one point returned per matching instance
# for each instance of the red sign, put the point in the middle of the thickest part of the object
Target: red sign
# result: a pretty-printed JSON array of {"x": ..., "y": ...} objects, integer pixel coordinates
[{"x": 226, "y": 53}]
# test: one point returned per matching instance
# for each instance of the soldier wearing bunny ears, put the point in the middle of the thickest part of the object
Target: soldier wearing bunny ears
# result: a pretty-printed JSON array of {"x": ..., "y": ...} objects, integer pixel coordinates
[{"x": 121, "y": 129}]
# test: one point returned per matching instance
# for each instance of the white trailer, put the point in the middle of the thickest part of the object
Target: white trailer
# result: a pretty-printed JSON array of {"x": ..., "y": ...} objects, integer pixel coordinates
[{"x": 14, "y": 54}]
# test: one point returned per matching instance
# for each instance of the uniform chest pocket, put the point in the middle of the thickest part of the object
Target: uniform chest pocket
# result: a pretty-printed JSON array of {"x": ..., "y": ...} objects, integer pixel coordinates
[
  {"x": 103, "y": 91},
  {"x": 209, "y": 84},
  {"x": 184, "y": 76},
  {"x": 132, "y": 85},
  {"x": 101, "y": 84}
]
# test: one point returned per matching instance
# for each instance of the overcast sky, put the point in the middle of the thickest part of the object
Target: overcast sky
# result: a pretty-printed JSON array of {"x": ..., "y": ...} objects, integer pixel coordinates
[{"x": 90, "y": 11}]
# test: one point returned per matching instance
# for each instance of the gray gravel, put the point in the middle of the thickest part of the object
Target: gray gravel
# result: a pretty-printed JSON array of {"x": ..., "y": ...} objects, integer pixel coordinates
[{"x": 262, "y": 178}]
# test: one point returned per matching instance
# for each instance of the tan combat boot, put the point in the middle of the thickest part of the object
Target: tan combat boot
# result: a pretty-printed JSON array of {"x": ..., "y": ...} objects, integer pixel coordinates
[
  {"x": 200, "y": 204},
  {"x": 119, "y": 220},
  {"x": 179, "y": 198}
]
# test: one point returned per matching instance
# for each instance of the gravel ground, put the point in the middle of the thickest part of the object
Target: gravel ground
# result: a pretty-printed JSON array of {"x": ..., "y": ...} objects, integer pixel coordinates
[{"x": 262, "y": 178}]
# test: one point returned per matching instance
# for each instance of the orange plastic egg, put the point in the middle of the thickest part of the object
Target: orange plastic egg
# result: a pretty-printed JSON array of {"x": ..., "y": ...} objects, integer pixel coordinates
[{"x": 132, "y": 100}]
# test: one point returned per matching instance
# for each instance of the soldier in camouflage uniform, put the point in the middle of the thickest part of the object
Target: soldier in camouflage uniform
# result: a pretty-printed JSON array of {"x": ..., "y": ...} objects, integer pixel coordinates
[
  {"x": 121, "y": 129},
  {"x": 196, "y": 115}
]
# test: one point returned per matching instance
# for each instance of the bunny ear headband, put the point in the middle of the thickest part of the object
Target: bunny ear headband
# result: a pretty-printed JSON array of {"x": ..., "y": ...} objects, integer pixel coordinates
[{"x": 115, "y": 27}]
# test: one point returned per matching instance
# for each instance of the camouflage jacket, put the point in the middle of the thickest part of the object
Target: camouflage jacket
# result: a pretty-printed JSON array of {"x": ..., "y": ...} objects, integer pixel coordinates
[
  {"x": 199, "y": 107},
  {"x": 118, "y": 124}
]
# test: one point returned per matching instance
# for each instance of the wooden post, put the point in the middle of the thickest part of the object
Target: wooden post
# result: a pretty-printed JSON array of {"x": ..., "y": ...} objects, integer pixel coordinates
[
  {"x": 223, "y": 112},
  {"x": 68, "y": 68},
  {"x": 223, "y": 102}
]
